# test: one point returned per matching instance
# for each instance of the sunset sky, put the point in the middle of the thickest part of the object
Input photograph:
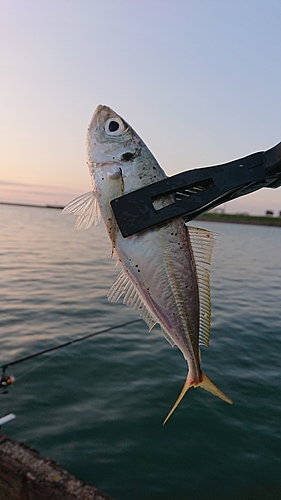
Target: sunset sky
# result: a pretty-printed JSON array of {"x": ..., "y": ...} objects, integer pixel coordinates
[{"x": 199, "y": 81}]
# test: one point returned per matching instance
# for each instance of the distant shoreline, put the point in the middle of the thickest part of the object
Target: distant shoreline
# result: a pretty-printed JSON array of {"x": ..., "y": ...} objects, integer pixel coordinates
[
  {"x": 257, "y": 220},
  {"x": 260, "y": 220}
]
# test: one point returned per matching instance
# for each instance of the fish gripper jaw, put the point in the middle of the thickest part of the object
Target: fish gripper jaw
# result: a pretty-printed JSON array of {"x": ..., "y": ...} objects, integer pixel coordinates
[{"x": 197, "y": 191}]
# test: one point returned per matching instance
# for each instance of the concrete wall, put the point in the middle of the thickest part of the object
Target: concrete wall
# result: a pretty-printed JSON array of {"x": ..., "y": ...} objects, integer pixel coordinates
[{"x": 27, "y": 475}]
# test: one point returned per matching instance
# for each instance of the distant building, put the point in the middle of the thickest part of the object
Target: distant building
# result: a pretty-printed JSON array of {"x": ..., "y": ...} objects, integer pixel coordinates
[{"x": 220, "y": 210}]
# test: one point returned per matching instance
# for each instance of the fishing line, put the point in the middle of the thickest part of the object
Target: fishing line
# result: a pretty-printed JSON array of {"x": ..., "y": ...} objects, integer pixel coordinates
[
  {"x": 6, "y": 380},
  {"x": 37, "y": 365}
]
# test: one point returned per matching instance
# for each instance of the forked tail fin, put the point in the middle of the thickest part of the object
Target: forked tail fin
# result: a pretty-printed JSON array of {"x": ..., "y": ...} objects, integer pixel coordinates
[
  {"x": 206, "y": 384},
  {"x": 209, "y": 386}
]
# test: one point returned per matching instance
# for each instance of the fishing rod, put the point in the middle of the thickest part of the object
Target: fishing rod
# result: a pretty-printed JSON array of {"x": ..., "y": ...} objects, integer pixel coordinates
[{"x": 6, "y": 380}]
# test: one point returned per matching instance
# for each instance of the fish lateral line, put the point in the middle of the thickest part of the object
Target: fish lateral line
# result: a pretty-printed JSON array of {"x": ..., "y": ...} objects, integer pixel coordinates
[{"x": 206, "y": 384}]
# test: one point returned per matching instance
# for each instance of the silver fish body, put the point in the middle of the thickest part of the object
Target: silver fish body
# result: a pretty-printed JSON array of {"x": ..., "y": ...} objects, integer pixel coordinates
[{"x": 164, "y": 274}]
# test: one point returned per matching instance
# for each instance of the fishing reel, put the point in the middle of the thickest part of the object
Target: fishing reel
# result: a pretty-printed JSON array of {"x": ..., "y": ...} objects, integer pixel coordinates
[{"x": 5, "y": 381}]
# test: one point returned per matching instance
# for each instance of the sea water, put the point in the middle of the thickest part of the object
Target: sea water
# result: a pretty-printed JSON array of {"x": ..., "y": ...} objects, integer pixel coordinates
[{"x": 97, "y": 406}]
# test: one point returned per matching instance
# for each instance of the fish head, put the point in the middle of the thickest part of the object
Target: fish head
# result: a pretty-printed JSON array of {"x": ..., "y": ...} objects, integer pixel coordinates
[
  {"x": 110, "y": 138},
  {"x": 116, "y": 152}
]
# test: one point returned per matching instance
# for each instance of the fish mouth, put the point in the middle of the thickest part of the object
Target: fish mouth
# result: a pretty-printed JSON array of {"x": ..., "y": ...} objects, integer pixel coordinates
[
  {"x": 101, "y": 115},
  {"x": 110, "y": 139}
]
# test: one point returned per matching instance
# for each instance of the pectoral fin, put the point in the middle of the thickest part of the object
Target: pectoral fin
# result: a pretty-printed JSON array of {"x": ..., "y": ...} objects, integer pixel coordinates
[{"x": 86, "y": 208}]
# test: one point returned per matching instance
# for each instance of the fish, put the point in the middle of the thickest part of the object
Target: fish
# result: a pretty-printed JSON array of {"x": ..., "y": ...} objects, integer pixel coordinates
[{"x": 165, "y": 270}]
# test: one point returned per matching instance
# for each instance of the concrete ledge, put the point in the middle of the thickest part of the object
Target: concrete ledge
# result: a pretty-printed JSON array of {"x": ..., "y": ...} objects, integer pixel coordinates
[{"x": 27, "y": 475}]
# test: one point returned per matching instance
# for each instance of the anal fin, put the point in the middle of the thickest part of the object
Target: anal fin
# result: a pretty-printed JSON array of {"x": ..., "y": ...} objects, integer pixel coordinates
[{"x": 123, "y": 286}]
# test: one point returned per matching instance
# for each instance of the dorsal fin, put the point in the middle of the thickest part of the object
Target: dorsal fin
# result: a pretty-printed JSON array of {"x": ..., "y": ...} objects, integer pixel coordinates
[
  {"x": 202, "y": 242},
  {"x": 86, "y": 208}
]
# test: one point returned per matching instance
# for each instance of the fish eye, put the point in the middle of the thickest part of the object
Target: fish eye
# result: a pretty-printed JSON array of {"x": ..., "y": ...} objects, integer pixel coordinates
[{"x": 114, "y": 126}]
